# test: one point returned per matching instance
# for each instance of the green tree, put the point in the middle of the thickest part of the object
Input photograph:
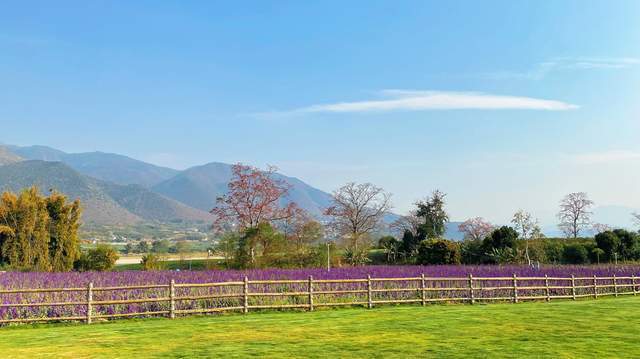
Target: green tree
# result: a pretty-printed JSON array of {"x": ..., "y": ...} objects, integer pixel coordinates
[
  {"x": 142, "y": 247},
  {"x": 435, "y": 217},
  {"x": 629, "y": 246},
  {"x": 575, "y": 253},
  {"x": 101, "y": 258},
  {"x": 503, "y": 237},
  {"x": 438, "y": 251},
  {"x": 609, "y": 242},
  {"x": 161, "y": 246},
  {"x": 63, "y": 231}
]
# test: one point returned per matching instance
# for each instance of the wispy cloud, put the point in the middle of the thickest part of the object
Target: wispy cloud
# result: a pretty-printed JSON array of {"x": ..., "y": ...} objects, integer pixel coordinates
[
  {"x": 412, "y": 100},
  {"x": 605, "y": 157},
  {"x": 542, "y": 69}
]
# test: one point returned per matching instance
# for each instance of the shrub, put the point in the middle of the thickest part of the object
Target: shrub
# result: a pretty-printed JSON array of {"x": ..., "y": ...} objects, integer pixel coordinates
[
  {"x": 101, "y": 258},
  {"x": 471, "y": 251},
  {"x": 503, "y": 237},
  {"x": 438, "y": 251},
  {"x": 609, "y": 242},
  {"x": 575, "y": 253},
  {"x": 152, "y": 262}
]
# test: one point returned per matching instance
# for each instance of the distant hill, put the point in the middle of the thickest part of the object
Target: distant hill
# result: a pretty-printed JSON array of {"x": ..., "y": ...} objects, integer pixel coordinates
[
  {"x": 7, "y": 157},
  {"x": 199, "y": 187},
  {"x": 105, "y": 166},
  {"x": 103, "y": 202}
]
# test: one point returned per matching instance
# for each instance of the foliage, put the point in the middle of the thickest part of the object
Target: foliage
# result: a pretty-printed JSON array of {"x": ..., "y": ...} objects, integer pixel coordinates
[
  {"x": 472, "y": 251},
  {"x": 391, "y": 246},
  {"x": 575, "y": 253},
  {"x": 356, "y": 211},
  {"x": 101, "y": 258},
  {"x": 142, "y": 247},
  {"x": 356, "y": 256},
  {"x": 438, "y": 251},
  {"x": 253, "y": 197},
  {"x": 475, "y": 228},
  {"x": 503, "y": 237},
  {"x": 610, "y": 243},
  {"x": 434, "y": 216},
  {"x": 152, "y": 262},
  {"x": 161, "y": 246},
  {"x": 38, "y": 233},
  {"x": 575, "y": 214}
]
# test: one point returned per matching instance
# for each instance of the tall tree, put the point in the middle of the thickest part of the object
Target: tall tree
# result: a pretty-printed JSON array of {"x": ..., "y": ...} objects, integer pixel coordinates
[
  {"x": 410, "y": 222},
  {"x": 433, "y": 214},
  {"x": 475, "y": 228},
  {"x": 527, "y": 227},
  {"x": 357, "y": 210},
  {"x": 63, "y": 231},
  {"x": 253, "y": 197},
  {"x": 575, "y": 213}
]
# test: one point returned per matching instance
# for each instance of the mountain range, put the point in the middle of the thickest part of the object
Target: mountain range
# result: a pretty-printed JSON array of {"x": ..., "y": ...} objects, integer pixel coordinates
[{"x": 117, "y": 189}]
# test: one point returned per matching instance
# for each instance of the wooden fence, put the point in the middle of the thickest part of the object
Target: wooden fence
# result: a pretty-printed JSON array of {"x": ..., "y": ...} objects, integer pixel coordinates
[{"x": 314, "y": 293}]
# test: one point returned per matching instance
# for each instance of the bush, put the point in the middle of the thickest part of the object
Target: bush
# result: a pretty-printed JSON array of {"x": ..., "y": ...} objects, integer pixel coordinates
[
  {"x": 503, "y": 237},
  {"x": 152, "y": 262},
  {"x": 101, "y": 258},
  {"x": 609, "y": 242},
  {"x": 438, "y": 251},
  {"x": 471, "y": 251},
  {"x": 575, "y": 253}
]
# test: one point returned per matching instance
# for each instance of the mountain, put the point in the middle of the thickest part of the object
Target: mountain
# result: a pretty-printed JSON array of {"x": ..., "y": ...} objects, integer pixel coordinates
[
  {"x": 199, "y": 187},
  {"x": 103, "y": 202},
  {"x": 105, "y": 166},
  {"x": 7, "y": 157}
]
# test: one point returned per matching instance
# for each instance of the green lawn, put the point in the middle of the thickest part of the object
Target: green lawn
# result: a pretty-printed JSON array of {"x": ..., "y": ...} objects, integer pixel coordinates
[{"x": 564, "y": 329}]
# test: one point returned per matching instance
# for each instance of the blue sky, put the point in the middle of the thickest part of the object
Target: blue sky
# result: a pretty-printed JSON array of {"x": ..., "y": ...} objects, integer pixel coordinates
[{"x": 501, "y": 104}]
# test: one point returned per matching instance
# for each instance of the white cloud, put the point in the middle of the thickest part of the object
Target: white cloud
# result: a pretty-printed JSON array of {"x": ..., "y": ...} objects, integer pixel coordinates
[
  {"x": 605, "y": 157},
  {"x": 542, "y": 69},
  {"x": 411, "y": 100}
]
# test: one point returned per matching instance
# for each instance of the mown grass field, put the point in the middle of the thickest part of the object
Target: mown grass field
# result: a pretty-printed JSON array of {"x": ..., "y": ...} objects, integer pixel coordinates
[{"x": 564, "y": 329}]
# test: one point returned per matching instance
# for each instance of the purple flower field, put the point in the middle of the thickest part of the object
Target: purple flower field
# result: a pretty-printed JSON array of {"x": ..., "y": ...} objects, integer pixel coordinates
[{"x": 32, "y": 280}]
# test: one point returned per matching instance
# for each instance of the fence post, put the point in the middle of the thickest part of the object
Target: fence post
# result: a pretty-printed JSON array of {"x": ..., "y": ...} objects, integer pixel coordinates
[
  {"x": 472, "y": 297},
  {"x": 172, "y": 299},
  {"x": 595, "y": 287},
  {"x": 633, "y": 284},
  {"x": 369, "y": 294},
  {"x": 89, "y": 300},
  {"x": 311, "y": 293},
  {"x": 615, "y": 285},
  {"x": 515, "y": 288},
  {"x": 547, "y": 291},
  {"x": 573, "y": 287},
  {"x": 423, "y": 289},
  {"x": 245, "y": 308}
]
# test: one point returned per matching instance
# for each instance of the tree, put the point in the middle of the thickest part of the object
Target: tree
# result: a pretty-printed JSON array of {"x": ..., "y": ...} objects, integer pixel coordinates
[
  {"x": 409, "y": 244},
  {"x": 302, "y": 230},
  {"x": 260, "y": 246},
  {"x": 575, "y": 214},
  {"x": 390, "y": 245},
  {"x": 253, "y": 197},
  {"x": 101, "y": 258},
  {"x": 227, "y": 245},
  {"x": 475, "y": 228},
  {"x": 357, "y": 210},
  {"x": 152, "y": 262},
  {"x": 609, "y": 243},
  {"x": 575, "y": 253},
  {"x": 63, "y": 231},
  {"x": 38, "y": 233},
  {"x": 128, "y": 248},
  {"x": 526, "y": 227},
  {"x": 410, "y": 222},
  {"x": 434, "y": 216},
  {"x": 636, "y": 219},
  {"x": 183, "y": 247},
  {"x": 600, "y": 227},
  {"x": 501, "y": 238},
  {"x": 142, "y": 247},
  {"x": 629, "y": 244},
  {"x": 161, "y": 246},
  {"x": 438, "y": 251}
]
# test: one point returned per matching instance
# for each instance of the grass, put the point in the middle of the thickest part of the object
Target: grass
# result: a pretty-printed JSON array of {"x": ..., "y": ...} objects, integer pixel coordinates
[{"x": 563, "y": 329}]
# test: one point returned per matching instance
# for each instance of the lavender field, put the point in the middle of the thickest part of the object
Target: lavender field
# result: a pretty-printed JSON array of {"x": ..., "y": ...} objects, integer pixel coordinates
[{"x": 231, "y": 296}]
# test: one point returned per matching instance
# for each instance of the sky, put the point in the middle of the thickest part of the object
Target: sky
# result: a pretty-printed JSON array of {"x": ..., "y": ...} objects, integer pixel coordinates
[{"x": 500, "y": 104}]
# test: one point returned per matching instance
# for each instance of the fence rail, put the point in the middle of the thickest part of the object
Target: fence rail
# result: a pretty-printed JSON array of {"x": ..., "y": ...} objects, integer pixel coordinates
[{"x": 89, "y": 303}]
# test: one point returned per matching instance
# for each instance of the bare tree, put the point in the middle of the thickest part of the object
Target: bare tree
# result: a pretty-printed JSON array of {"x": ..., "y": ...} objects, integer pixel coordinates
[
  {"x": 411, "y": 223},
  {"x": 475, "y": 228},
  {"x": 357, "y": 210},
  {"x": 575, "y": 214},
  {"x": 527, "y": 228},
  {"x": 600, "y": 227},
  {"x": 636, "y": 218}
]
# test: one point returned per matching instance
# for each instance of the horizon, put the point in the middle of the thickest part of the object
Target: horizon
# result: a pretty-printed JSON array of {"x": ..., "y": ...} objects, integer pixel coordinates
[{"x": 518, "y": 107}]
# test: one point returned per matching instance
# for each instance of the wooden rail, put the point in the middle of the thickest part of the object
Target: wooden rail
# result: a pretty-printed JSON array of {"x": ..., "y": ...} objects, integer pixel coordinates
[{"x": 313, "y": 293}]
